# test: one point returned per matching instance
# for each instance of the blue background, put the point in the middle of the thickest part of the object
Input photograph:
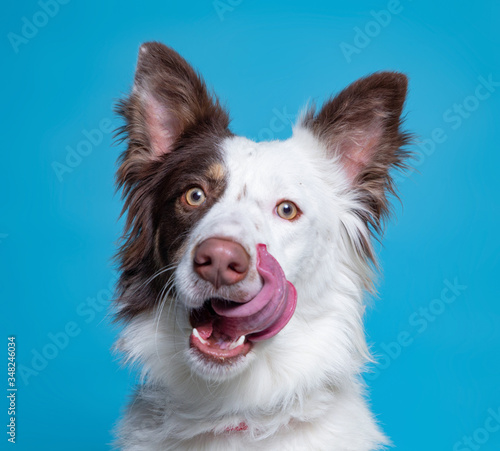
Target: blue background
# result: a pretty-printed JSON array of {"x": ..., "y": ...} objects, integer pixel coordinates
[{"x": 58, "y": 234}]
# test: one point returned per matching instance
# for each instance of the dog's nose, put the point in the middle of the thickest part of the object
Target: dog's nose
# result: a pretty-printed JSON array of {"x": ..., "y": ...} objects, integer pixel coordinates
[{"x": 221, "y": 262}]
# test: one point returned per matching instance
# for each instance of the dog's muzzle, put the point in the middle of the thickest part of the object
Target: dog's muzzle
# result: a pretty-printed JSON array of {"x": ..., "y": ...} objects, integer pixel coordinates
[{"x": 227, "y": 328}]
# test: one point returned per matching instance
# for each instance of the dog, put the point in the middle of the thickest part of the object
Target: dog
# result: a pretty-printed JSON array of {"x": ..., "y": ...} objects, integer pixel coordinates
[{"x": 244, "y": 264}]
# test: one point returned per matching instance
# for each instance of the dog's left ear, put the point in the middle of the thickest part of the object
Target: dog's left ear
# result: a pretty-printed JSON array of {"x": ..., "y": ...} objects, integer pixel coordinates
[{"x": 361, "y": 127}]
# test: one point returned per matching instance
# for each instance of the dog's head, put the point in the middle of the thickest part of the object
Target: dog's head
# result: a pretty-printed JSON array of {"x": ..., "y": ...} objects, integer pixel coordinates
[{"x": 245, "y": 258}]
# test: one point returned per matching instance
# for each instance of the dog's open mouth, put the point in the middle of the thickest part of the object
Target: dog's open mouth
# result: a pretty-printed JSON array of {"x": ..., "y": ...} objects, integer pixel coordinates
[
  {"x": 211, "y": 339},
  {"x": 224, "y": 330}
]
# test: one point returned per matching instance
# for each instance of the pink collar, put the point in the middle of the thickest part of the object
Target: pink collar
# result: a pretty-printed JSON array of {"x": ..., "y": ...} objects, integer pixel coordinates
[{"x": 241, "y": 427}]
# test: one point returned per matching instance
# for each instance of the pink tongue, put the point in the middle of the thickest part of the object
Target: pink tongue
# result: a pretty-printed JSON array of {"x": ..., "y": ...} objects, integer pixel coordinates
[{"x": 267, "y": 313}]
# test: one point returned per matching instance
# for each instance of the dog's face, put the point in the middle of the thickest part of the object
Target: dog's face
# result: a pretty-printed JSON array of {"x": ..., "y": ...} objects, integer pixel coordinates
[{"x": 246, "y": 258}]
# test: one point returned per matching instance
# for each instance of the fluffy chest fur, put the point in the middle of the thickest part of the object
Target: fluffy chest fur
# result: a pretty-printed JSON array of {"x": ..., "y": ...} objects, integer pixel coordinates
[{"x": 244, "y": 265}]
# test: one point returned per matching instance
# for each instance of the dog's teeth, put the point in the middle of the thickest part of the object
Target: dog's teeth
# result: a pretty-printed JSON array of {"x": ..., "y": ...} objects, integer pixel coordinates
[
  {"x": 198, "y": 336},
  {"x": 237, "y": 343}
]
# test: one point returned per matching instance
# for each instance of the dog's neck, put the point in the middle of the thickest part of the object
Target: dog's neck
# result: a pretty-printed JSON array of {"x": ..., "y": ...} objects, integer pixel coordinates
[{"x": 209, "y": 418}]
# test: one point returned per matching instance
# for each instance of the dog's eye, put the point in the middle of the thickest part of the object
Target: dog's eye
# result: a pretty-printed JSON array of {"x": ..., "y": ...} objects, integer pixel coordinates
[
  {"x": 287, "y": 210},
  {"x": 195, "y": 196}
]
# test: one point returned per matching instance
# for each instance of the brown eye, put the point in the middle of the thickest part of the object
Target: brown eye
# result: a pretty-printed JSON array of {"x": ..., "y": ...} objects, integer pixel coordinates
[
  {"x": 195, "y": 196},
  {"x": 287, "y": 210}
]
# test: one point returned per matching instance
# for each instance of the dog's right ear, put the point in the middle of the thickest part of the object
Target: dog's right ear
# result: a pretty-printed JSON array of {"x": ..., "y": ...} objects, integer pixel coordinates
[{"x": 168, "y": 97}]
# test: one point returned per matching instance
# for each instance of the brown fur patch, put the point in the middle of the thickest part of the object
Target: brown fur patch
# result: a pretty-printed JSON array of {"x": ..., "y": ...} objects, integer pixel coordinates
[
  {"x": 243, "y": 193},
  {"x": 167, "y": 153}
]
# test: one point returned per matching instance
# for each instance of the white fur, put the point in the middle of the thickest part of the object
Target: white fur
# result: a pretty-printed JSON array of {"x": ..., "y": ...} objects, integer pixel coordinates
[{"x": 300, "y": 390}]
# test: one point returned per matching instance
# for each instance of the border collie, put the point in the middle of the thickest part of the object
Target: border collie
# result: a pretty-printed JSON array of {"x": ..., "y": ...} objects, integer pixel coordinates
[{"x": 244, "y": 265}]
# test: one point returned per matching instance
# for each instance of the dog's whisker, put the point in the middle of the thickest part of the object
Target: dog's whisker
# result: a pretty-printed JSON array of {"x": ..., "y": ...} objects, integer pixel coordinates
[
  {"x": 157, "y": 274},
  {"x": 163, "y": 300}
]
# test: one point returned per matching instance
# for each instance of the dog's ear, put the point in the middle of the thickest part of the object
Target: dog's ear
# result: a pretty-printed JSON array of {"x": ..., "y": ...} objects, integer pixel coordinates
[
  {"x": 168, "y": 106},
  {"x": 168, "y": 97},
  {"x": 361, "y": 126}
]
